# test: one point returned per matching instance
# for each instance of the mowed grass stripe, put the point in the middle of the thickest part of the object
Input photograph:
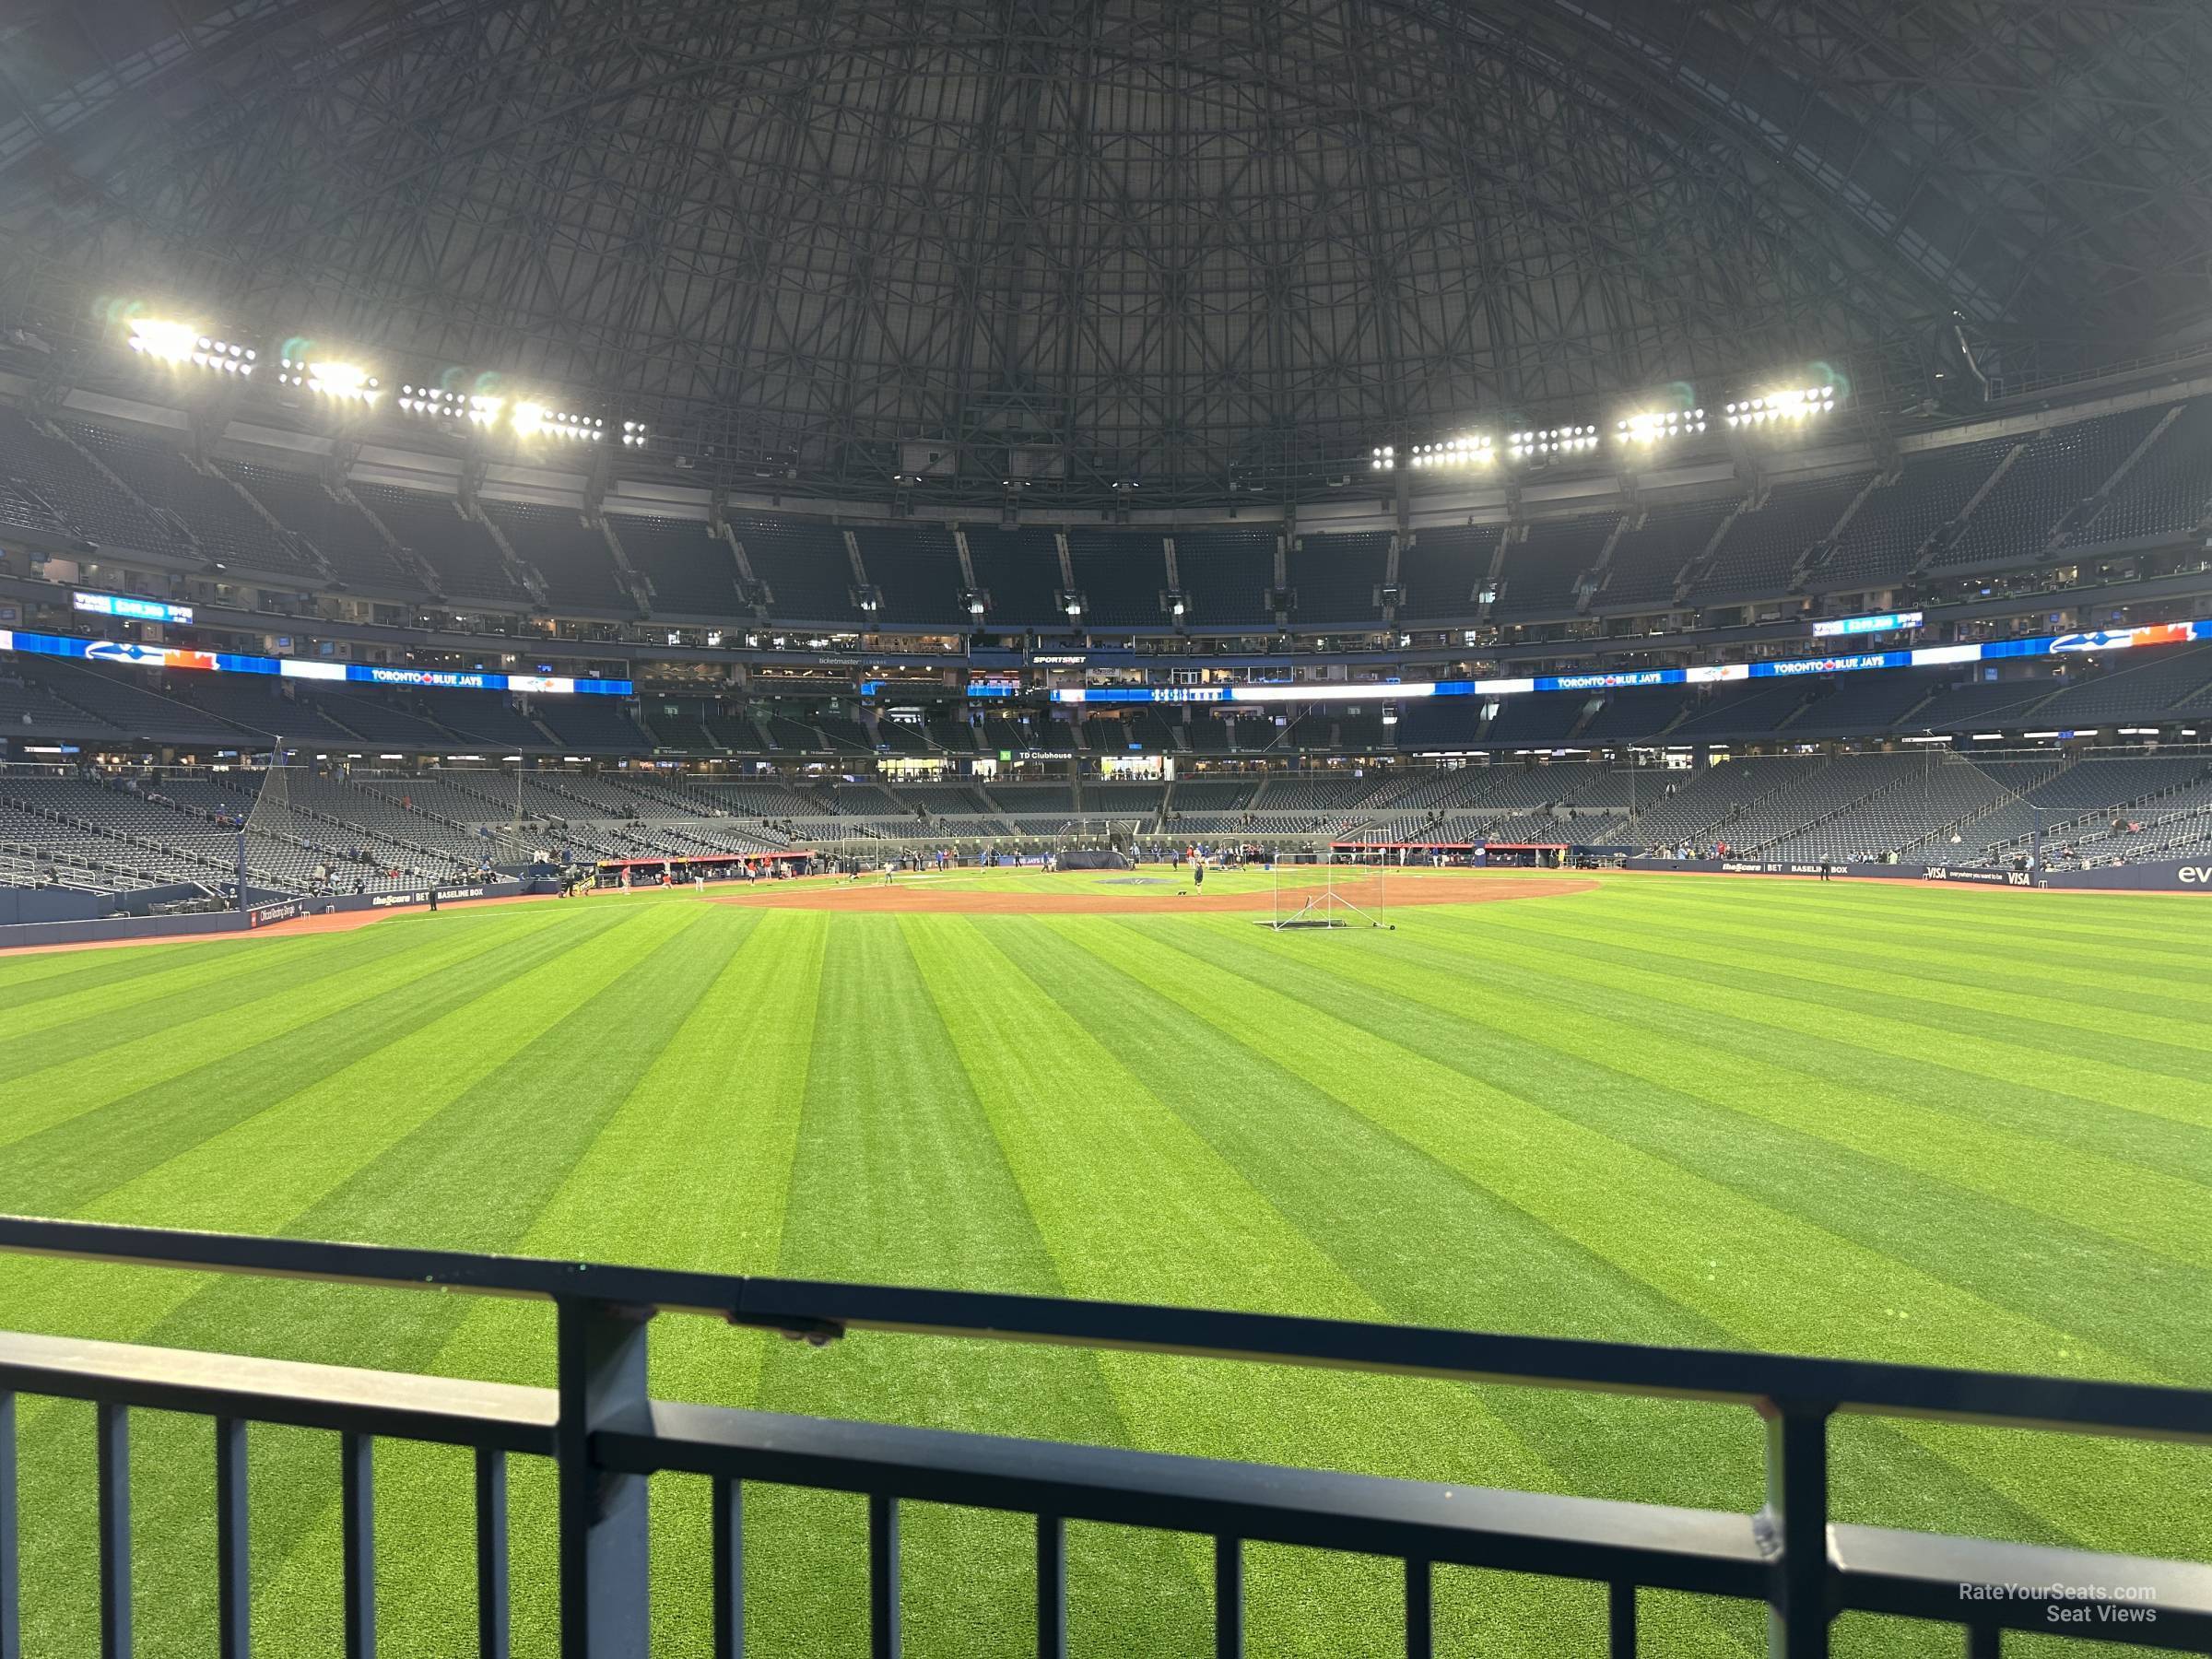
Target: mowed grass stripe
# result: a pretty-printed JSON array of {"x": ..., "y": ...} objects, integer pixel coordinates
[
  {"x": 144, "y": 1008},
  {"x": 1776, "y": 1278},
  {"x": 2172, "y": 1046},
  {"x": 2175, "y": 1091},
  {"x": 2153, "y": 1211},
  {"x": 1837, "y": 1043},
  {"x": 67, "y": 1166},
  {"x": 1471, "y": 1016},
  {"x": 1709, "y": 1261},
  {"x": 1682, "y": 1005},
  {"x": 2101, "y": 982},
  {"x": 65, "y": 1087},
  {"x": 2075, "y": 925},
  {"x": 1428, "y": 1247},
  {"x": 1416, "y": 1235},
  {"x": 472, "y": 1176},
  {"x": 2145, "y": 928},
  {"x": 898, "y": 1178},
  {"x": 33, "y": 976},
  {"x": 1127, "y": 1195},
  {"x": 709, "y": 1120},
  {"x": 399, "y": 1330},
  {"x": 691, "y": 1171},
  {"x": 1503, "y": 1108},
  {"x": 1765, "y": 1274}
]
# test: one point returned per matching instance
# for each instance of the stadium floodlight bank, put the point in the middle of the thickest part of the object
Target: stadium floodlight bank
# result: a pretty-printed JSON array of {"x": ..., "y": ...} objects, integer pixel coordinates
[{"x": 606, "y": 1436}]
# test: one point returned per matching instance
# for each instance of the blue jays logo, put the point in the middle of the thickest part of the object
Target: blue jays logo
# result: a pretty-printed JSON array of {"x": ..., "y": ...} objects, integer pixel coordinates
[
  {"x": 2100, "y": 641},
  {"x": 116, "y": 651}
]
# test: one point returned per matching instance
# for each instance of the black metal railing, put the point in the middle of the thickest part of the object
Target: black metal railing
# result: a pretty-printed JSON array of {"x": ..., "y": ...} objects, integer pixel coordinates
[{"x": 608, "y": 1437}]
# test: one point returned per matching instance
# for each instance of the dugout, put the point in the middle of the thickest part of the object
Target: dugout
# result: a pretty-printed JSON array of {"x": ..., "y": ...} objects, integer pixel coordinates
[
  {"x": 714, "y": 867},
  {"x": 1404, "y": 854},
  {"x": 1525, "y": 855}
]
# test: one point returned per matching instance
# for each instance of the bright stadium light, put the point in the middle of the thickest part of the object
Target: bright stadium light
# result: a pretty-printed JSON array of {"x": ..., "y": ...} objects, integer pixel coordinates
[
  {"x": 164, "y": 341},
  {"x": 1552, "y": 440},
  {"x": 432, "y": 400},
  {"x": 225, "y": 357},
  {"x": 533, "y": 420},
  {"x": 1658, "y": 426},
  {"x": 348, "y": 382},
  {"x": 634, "y": 434},
  {"x": 1795, "y": 404},
  {"x": 1471, "y": 449}
]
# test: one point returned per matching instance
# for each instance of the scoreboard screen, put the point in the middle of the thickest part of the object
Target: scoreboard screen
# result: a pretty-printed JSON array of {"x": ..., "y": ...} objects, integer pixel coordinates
[{"x": 994, "y": 684}]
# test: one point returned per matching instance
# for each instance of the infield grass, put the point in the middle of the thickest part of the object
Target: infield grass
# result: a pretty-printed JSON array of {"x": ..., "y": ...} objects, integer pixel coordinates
[{"x": 1955, "y": 1128}]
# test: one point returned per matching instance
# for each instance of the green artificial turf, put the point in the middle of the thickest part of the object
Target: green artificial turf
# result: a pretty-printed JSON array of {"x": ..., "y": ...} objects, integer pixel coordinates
[{"x": 1955, "y": 1127}]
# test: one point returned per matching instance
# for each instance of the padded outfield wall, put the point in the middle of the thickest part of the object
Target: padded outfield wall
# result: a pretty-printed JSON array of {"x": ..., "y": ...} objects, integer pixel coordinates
[
  {"x": 2124, "y": 878},
  {"x": 111, "y": 929}
]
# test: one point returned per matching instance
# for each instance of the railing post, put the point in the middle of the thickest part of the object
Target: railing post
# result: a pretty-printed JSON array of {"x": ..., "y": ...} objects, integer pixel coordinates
[
  {"x": 603, "y": 1569},
  {"x": 11, "y": 1571},
  {"x": 1051, "y": 1587},
  {"x": 493, "y": 1617},
  {"x": 1793, "y": 1528},
  {"x": 885, "y": 1636},
  {"x": 1229, "y": 1598},
  {"x": 113, "y": 1426},
  {"x": 1420, "y": 1610},
  {"x": 233, "y": 1585},
  {"x": 1620, "y": 1620},
  {"x": 729, "y": 1569},
  {"x": 357, "y": 1503}
]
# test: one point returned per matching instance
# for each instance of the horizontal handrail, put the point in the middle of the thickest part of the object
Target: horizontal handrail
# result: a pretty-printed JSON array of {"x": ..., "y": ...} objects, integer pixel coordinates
[
  {"x": 399, "y": 1405},
  {"x": 1703, "y": 1551},
  {"x": 821, "y": 1311}
]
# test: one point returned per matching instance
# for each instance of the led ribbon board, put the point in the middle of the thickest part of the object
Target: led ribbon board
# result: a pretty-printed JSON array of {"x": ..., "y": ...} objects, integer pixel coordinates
[
  {"x": 132, "y": 654},
  {"x": 1926, "y": 656},
  {"x": 138, "y": 610},
  {"x": 1889, "y": 622}
]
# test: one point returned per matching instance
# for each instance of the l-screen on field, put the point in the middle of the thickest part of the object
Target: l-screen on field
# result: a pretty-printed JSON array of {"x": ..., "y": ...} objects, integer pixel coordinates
[{"x": 1965, "y": 1128}]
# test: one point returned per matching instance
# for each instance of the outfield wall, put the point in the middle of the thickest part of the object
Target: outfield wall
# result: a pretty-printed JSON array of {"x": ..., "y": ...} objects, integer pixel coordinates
[
  {"x": 114, "y": 928},
  {"x": 2192, "y": 877},
  {"x": 2124, "y": 878}
]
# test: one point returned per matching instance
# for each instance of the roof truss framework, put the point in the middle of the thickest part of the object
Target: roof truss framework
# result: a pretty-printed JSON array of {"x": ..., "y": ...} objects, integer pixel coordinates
[{"x": 1173, "y": 240}]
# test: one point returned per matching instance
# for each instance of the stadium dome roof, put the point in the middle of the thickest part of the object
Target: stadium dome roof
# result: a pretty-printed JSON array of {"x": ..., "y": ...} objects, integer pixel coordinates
[{"x": 1162, "y": 240}]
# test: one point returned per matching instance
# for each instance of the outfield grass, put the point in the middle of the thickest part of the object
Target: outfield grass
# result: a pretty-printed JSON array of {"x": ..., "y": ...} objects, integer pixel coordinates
[{"x": 1959, "y": 1127}]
